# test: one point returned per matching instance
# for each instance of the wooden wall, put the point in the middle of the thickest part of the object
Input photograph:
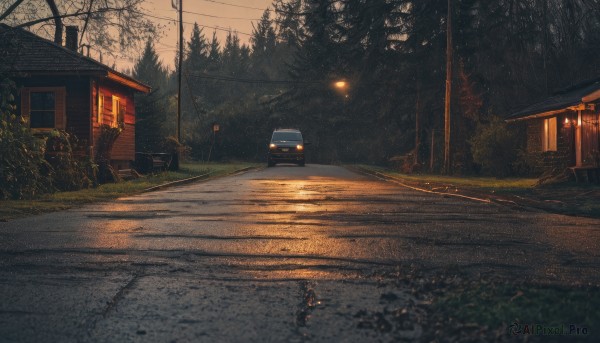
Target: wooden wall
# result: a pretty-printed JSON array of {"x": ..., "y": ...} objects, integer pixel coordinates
[
  {"x": 82, "y": 109},
  {"x": 124, "y": 148},
  {"x": 77, "y": 101}
]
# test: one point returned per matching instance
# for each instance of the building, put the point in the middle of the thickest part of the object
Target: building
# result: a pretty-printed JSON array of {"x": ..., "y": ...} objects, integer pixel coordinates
[
  {"x": 564, "y": 130},
  {"x": 59, "y": 88}
]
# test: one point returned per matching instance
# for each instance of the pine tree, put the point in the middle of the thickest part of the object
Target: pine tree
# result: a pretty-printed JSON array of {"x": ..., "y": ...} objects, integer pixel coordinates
[
  {"x": 149, "y": 69},
  {"x": 151, "y": 109},
  {"x": 197, "y": 51},
  {"x": 214, "y": 53}
]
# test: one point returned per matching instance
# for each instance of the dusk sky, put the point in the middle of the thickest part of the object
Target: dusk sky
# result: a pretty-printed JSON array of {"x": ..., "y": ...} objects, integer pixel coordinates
[{"x": 223, "y": 15}]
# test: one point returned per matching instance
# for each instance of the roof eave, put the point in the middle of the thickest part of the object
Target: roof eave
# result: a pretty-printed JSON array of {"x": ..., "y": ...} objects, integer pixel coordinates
[
  {"x": 29, "y": 73},
  {"x": 122, "y": 79},
  {"x": 577, "y": 107}
]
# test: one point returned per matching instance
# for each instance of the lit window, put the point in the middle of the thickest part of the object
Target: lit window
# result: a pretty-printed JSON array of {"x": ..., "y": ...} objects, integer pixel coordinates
[
  {"x": 549, "y": 134},
  {"x": 100, "y": 107},
  {"x": 118, "y": 111},
  {"x": 42, "y": 110}
]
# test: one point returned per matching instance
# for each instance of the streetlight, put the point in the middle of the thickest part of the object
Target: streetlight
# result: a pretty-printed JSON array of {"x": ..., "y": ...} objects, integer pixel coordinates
[{"x": 341, "y": 85}]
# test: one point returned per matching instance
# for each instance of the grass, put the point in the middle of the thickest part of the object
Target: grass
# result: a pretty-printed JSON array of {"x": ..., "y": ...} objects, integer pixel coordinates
[
  {"x": 10, "y": 209},
  {"x": 484, "y": 183},
  {"x": 496, "y": 304},
  {"x": 566, "y": 198}
]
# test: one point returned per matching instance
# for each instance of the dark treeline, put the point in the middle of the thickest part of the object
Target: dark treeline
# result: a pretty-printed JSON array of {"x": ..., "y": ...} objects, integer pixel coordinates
[{"x": 392, "y": 56}]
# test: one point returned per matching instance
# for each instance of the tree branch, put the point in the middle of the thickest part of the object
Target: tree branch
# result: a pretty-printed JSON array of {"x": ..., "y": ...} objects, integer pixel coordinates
[
  {"x": 57, "y": 21},
  {"x": 10, "y": 9},
  {"x": 70, "y": 15},
  {"x": 87, "y": 19}
]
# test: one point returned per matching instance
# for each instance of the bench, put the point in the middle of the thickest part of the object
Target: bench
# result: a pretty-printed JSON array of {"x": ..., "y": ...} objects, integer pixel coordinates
[
  {"x": 152, "y": 162},
  {"x": 161, "y": 161}
]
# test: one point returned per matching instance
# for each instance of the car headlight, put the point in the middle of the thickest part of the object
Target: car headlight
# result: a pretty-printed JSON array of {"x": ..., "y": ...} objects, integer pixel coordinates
[
  {"x": 272, "y": 146},
  {"x": 299, "y": 147}
]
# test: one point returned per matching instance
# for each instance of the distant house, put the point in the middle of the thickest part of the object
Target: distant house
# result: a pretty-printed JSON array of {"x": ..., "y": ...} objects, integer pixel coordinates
[
  {"x": 564, "y": 130},
  {"x": 60, "y": 88}
]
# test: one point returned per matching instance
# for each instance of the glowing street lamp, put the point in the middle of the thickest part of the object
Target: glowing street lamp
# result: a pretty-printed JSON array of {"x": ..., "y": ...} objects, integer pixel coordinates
[{"x": 341, "y": 85}]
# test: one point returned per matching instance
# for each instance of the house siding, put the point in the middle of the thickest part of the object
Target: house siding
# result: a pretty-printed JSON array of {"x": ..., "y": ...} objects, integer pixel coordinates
[
  {"x": 81, "y": 104},
  {"x": 77, "y": 105},
  {"x": 124, "y": 147}
]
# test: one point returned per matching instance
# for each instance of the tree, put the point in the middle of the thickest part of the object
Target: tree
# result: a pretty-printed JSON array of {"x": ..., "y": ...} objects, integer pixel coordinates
[
  {"x": 214, "y": 52},
  {"x": 231, "y": 54},
  {"x": 197, "y": 51},
  {"x": 494, "y": 147},
  {"x": 151, "y": 109},
  {"x": 263, "y": 36},
  {"x": 109, "y": 26}
]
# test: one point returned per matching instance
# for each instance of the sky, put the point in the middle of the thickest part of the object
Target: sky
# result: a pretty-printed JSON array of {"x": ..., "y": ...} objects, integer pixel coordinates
[{"x": 237, "y": 15}]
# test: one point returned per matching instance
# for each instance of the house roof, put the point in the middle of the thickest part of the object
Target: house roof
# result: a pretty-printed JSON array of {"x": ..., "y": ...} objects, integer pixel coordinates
[
  {"x": 24, "y": 52},
  {"x": 570, "y": 98}
]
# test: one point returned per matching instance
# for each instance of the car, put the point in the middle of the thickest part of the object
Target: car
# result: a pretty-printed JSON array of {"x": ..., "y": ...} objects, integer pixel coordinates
[{"x": 286, "y": 146}]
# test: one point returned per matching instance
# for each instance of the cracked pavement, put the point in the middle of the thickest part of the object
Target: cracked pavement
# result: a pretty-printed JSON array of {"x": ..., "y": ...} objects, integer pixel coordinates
[{"x": 281, "y": 254}]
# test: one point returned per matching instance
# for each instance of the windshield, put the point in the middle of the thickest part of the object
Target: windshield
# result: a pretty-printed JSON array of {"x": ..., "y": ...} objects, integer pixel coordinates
[{"x": 286, "y": 136}]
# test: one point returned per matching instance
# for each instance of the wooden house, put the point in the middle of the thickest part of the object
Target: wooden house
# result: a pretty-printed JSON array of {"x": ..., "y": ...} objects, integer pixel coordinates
[
  {"x": 564, "y": 130},
  {"x": 59, "y": 88}
]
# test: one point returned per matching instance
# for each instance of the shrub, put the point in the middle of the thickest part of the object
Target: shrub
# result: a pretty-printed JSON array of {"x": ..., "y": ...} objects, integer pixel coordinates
[
  {"x": 23, "y": 170},
  {"x": 108, "y": 136},
  {"x": 69, "y": 173},
  {"x": 495, "y": 147}
]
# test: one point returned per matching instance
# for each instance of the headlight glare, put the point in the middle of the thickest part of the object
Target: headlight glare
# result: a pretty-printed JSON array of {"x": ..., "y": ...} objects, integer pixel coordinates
[{"x": 299, "y": 147}]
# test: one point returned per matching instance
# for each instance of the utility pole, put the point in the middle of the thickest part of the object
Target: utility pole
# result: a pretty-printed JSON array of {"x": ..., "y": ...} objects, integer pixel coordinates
[
  {"x": 447, "y": 162},
  {"x": 418, "y": 120},
  {"x": 180, "y": 71}
]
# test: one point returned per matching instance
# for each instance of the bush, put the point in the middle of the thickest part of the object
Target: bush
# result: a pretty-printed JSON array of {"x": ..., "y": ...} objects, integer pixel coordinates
[
  {"x": 23, "y": 170},
  {"x": 69, "y": 173},
  {"x": 108, "y": 136},
  {"x": 495, "y": 147}
]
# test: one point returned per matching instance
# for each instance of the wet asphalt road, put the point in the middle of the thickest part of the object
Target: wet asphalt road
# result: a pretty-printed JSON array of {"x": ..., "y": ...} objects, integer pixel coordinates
[{"x": 281, "y": 254}]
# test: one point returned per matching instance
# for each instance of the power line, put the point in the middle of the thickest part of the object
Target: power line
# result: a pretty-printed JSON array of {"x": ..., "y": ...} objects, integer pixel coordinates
[
  {"x": 189, "y": 23},
  {"x": 254, "y": 81},
  {"x": 234, "y": 5},
  {"x": 219, "y": 17}
]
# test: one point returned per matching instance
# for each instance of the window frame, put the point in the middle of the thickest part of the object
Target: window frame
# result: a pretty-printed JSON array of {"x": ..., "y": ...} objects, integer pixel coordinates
[
  {"x": 60, "y": 118},
  {"x": 550, "y": 134},
  {"x": 100, "y": 114},
  {"x": 37, "y": 112},
  {"x": 119, "y": 110}
]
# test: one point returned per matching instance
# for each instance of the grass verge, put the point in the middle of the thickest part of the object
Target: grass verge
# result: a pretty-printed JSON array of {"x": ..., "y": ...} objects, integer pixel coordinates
[
  {"x": 566, "y": 198},
  {"x": 11, "y": 209},
  {"x": 481, "y": 183},
  {"x": 480, "y": 311}
]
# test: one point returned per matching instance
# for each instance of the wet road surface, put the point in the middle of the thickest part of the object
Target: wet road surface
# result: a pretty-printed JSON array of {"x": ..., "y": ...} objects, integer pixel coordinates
[{"x": 281, "y": 254}]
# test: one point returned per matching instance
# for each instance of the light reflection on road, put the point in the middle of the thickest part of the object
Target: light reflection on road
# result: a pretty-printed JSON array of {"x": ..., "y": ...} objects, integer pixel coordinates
[{"x": 320, "y": 220}]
